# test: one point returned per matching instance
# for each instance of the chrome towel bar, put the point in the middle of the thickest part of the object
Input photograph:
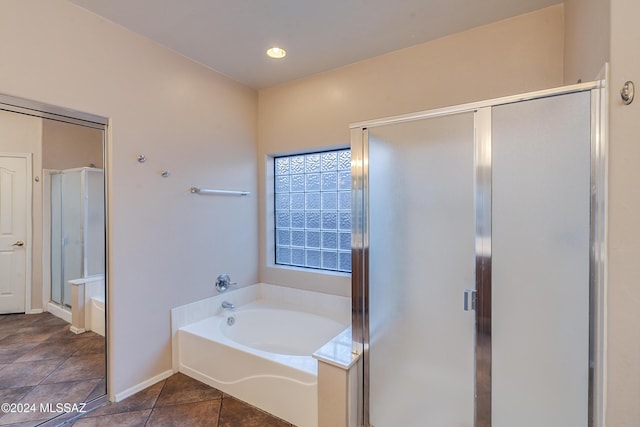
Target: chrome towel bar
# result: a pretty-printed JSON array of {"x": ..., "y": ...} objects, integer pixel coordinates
[{"x": 206, "y": 191}]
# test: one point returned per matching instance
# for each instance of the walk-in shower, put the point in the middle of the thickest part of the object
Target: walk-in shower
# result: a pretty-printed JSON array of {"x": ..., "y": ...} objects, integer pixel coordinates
[
  {"x": 77, "y": 228},
  {"x": 477, "y": 262}
]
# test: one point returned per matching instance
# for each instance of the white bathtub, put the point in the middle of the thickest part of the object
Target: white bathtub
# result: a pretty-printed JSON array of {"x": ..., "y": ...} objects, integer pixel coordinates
[
  {"x": 265, "y": 356},
  {"x": 97, "y": 315}
]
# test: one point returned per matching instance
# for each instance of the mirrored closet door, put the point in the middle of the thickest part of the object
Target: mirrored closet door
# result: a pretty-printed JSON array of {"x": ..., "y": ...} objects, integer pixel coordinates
[{"x": 52, "y": 258}]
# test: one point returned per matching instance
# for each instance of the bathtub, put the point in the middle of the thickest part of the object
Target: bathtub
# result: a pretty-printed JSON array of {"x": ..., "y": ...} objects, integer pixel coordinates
[
  {"x": 261, "y": 351},
  {"x": 96, "y": 315}
]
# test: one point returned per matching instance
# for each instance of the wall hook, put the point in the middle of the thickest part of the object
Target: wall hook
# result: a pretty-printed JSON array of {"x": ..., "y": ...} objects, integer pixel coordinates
[
  {"x": 165, "y": 174},
  {"x": 142, "y": 158},
  {"x": 627, "y": 93}
]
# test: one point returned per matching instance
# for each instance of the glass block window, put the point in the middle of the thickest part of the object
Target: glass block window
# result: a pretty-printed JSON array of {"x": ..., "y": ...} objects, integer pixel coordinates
[{"x": 313, "y": 210}]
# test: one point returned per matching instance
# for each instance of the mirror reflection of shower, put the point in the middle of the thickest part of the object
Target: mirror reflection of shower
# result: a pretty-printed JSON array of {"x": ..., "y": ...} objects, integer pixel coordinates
[
  {"x": 74, "y": 213},
  {"x": 52, "y": 301},
  {"x": 77, "y": 229}
]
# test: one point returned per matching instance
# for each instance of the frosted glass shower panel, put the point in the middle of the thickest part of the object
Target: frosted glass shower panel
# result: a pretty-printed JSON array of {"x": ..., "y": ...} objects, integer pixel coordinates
[
  {"x": 540, "y": 242},
  {"x": 421, "y": 259},
  {"x": 77, "y": 229},
  {"x": 95, "y": 220},
  {"x": 72, "y": 226}
]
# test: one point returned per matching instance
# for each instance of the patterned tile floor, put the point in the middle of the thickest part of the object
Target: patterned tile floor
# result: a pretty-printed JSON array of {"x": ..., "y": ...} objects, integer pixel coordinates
[
  {"x": 182, "y": 402},
  {"x": 42, "y": 362}
]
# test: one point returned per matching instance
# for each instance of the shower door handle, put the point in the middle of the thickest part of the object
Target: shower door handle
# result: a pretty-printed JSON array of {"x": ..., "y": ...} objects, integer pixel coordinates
[{"x": 470, "y": 298}]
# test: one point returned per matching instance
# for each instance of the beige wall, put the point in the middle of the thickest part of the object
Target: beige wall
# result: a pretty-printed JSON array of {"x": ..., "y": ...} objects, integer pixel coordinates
[
  {"x": 20, "y": 133},
  {"x": 166, "y": 245},
  {"x": 509, "y": 57},
  {"x": 587, "y": 39},
  {"x": 67, "y": 146}
]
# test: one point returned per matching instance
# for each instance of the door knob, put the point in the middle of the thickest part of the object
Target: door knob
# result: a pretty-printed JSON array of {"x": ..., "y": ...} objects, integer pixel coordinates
[{"x": 18, "y": 243}]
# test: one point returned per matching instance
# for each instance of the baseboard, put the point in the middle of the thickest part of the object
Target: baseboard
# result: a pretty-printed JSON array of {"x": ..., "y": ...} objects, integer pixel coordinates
[
  {"x": 77, "y": 330},
  {"x": 36, "y": 311},
  {"x": 60, "y": 312},
  {"x": 141, "y": 386}
]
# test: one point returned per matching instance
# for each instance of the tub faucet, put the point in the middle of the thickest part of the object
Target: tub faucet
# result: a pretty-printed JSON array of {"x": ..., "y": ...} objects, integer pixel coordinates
[
  {"x": 227, "y": 304},
  {"x": 223, "y": 282}
]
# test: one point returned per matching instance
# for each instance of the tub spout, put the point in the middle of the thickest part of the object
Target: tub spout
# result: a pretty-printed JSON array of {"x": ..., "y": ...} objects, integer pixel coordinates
[{"x": 227, "y": 304}]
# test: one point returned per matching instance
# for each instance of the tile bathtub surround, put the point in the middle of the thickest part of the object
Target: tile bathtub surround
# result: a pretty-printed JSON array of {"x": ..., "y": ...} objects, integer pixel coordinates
[
  {"x": 42, "y": 362},
  {"x": 179, "y": 401}
]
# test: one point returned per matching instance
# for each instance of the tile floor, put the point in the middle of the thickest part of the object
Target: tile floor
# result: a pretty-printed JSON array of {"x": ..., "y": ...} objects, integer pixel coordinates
[
  {"x": 42, "y": 362},
  {"x": 182, "y": 402}
]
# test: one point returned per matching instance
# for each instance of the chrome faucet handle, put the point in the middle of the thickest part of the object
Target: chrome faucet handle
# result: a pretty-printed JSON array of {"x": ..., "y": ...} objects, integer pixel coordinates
[{"x": 223, "y": 282}]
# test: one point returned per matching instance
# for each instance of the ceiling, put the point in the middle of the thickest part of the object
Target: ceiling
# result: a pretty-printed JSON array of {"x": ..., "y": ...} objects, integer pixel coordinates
[{"x": 231, "y": 36}]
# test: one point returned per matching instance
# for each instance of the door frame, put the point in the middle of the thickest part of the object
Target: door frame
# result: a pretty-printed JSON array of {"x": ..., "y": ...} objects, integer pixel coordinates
[
  {"x": 28, "y": 279},
  {"x": 46, "y": 236},
  {"x": 598, "y": 234}
]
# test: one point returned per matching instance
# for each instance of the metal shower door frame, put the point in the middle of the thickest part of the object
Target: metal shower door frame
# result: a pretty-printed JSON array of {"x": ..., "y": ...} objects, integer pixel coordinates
[{"x": 482, "y": 195}]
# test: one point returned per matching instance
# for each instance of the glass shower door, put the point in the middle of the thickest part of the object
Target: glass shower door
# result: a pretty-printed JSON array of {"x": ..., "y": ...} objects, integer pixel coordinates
[
  {"x": 56, "y": 238},
  {"x": 73, "y": 232},
  {"x": 540, "y": 268},
  {"x": 421, "y": 259}
]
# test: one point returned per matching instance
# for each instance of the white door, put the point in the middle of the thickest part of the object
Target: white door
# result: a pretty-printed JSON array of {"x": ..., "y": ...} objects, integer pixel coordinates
[{"x": 14, "y": 215}]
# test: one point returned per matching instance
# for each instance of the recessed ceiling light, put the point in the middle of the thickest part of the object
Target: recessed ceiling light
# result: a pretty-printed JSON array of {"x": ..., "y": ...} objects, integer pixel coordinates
[{"x": 276, "y": 52}]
